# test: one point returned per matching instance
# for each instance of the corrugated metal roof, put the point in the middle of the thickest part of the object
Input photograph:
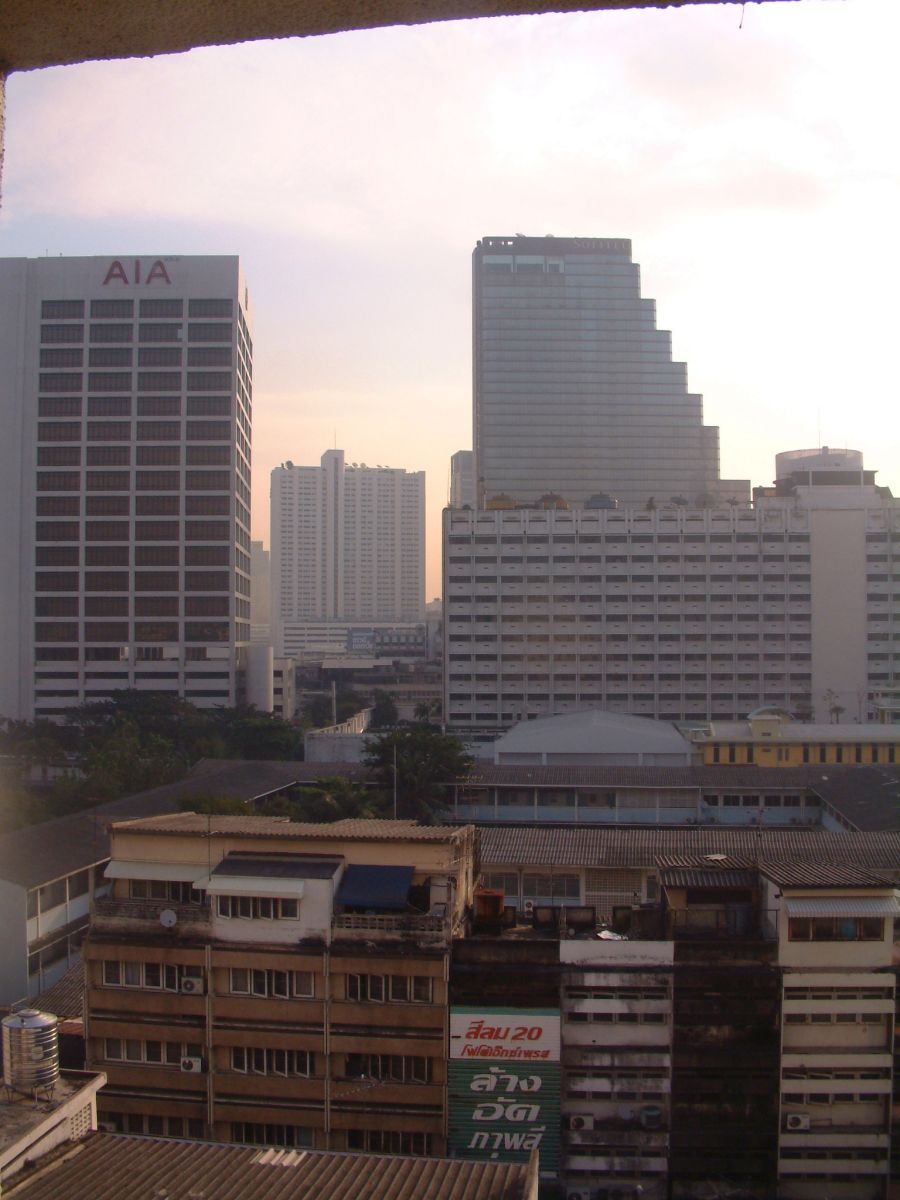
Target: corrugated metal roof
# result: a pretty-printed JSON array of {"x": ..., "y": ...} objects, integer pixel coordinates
[
  {"x": 568, "y": 846},
  {"x": 838, "y": 906},
  {"x": 109, "y": 1166},
  {"x": 698, "y": 877},
  {"x": 841, "y": 874},
  {"x": 282, "y": 827}
]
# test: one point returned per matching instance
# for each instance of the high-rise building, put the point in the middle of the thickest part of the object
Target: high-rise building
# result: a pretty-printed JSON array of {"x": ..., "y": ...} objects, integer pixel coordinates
[
  {"x": 679, "y": 613},
  {"x": 260, "y": 593},
  {"x": 347, "y": 544},
  {"x": 125, "y": 468},
  {"x": 576, "y": 393},
  {"x": 462, "y": 479}
]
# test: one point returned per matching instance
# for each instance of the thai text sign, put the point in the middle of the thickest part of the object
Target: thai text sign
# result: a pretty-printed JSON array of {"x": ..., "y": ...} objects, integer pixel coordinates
[
  {"x": 523, "y": 1034},
  {"x": 504, "y": 1084}
]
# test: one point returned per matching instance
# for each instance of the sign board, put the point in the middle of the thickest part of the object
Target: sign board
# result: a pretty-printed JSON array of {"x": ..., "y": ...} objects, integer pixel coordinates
[{"x": 504, "y": 1080}]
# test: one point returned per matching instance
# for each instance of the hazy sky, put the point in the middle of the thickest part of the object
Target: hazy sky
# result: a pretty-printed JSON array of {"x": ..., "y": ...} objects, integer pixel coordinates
[{"x": 755, "y": 169}]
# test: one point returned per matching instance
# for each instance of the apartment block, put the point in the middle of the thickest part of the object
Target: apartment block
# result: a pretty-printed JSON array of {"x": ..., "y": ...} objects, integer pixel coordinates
[
  {"x": 575, "y": 389},
  {"x": 678, "y": 613},
  {"x": 347, "y": 545},
  {"x": 730, "y": 1030},
  {"x": 127, "y": 405},
  {"x": 256, "y": 981}
]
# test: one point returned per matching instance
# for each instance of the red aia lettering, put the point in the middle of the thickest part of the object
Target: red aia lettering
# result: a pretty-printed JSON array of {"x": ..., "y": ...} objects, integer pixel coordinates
[{"x": 117, "y": 271}]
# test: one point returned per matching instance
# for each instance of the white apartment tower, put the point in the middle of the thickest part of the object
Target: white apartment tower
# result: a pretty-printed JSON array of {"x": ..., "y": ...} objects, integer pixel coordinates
[
  {"x": 679, "y": 613},
  {"x": 575, "y": 390},
  {"x": 347, "y": 543},
  {"x": 125, "y": 469}
]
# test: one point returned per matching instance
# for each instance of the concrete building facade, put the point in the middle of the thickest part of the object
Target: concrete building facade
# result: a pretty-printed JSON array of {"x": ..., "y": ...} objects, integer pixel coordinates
[
  {"x": 575, "y": 390},
  {"x": 462, "y": 479},
  {"x": 347, "y": 545},
  {"x": 127, "y": 398},
  {"x": 251, "y": 980},
  {"x": 677, "y": 613}
]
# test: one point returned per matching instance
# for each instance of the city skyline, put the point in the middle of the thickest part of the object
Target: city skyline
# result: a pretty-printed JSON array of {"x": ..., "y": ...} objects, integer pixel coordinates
[{"x": 747, "y": 230}]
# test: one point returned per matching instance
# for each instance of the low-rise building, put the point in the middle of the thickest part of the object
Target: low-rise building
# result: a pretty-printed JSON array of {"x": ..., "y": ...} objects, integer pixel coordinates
[{"x": 252, "y": 980}]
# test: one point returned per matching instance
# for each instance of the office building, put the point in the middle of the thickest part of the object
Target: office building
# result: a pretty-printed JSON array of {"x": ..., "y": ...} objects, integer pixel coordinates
[
  {"x": 462, "y": 479},
  {"x": 125, "y": 469},
  {"x": 575, "y": 390},
  {"x": 347, "y": 546},
  {"x": 289, "y": 980},
  {"x": 679, "y": 613}
]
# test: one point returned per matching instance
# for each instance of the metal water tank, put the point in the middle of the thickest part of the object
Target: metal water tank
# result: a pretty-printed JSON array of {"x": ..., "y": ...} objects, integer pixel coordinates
[{"x": 30, "y": 1051}]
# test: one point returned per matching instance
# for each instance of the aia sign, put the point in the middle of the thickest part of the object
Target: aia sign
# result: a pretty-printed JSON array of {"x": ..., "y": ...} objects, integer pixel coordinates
[{"x": 120, "y": 271}]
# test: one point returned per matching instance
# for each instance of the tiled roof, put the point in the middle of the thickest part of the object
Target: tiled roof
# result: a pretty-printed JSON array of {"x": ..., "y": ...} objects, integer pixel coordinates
[
  {"x": 280, "y": 827},
  {"x": 540, "y": 845},
  {"x": 66, "y": 997},
  {"x": 704, "y": 877},
  {"x": 109, "y": 1166},
  {"x": 845, "y": 874}
]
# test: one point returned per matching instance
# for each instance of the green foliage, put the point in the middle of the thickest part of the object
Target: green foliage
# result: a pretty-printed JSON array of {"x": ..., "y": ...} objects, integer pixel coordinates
[
  {"x": 424, "y": 760},
  {"x": 384, "y": 710},
  {"x": 129, "y": 743},
  {"x": 332, "y": 800}
]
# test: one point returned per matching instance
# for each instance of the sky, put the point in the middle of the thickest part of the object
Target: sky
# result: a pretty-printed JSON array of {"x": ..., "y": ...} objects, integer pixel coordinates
[{"x": 750, "y": 154}]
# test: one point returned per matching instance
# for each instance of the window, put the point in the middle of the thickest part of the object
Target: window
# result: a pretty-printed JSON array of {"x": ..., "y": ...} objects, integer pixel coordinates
[
  {"x": 208, "y": 308},
  {"x": 835, "y": 929},
  {"x": 244, "y": 981},
  {"x": 161, "y": 308},
  {"x": 112, "y": 308},
  {"x": 153, "y": 976},
  {"x": 258, "y": 908},
  {"x": 259, "y": 1061},
  {"x": 383, "y": 1141},
  {"x": 254, "y": 1134},
  {"x": 62, "y": 310},
  {"x": 406, "y": 989},
  {"x": 392, "y": 1068},
  {"x": 159, "y": 406}
]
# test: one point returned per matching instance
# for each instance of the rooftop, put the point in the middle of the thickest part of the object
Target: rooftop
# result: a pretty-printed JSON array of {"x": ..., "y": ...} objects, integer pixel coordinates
[
  {"x": 570, "y": 846},
  {"x": 65, "y": 999},
  {"x": 594, "y": 733},
  {"x": 191, "y": 824},
  {"x": 823, "y": 875},
  {"x": 21, "y": 1117},
  {"x": 108, "y": 1166}
]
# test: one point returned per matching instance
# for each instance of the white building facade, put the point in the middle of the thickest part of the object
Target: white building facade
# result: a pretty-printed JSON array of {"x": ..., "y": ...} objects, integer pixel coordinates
[
  {"x": 125, "y": 469},
  {"x": 347, "y": 546},
  {"x": 677, "y": 613},
  {"x": 575, "y": 390}
]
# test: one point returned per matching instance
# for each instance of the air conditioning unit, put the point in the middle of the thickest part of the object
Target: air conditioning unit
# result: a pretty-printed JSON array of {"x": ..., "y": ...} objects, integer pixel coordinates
[
  {"x": 581, "y": 1121},
  {"x": 191, "y": 985},
  {"x": 192, "y": 1066},
  {"x": 797, "y": 1121}
]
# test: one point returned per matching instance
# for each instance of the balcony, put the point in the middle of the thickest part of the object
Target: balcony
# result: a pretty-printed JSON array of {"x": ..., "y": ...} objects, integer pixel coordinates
[
  {"x": 145, "y": 916},
  {"x": 386, "y": 927}
]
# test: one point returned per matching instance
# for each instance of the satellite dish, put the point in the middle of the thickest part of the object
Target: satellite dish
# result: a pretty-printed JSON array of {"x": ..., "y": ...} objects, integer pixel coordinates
[{"x": 168, "y": 918}]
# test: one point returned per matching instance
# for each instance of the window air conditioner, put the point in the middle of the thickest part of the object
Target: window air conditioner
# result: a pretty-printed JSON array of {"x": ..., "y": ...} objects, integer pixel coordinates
[
  {"x": 191, "y": 985},
  {"x": 581, "y": 1121},
  {"x": 192, "y": 1066},
  {"x": 797, "y": 1121}
]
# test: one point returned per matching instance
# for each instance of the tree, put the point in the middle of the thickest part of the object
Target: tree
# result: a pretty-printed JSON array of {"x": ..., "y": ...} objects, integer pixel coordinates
[
  {"x": 422, "y": 761},
  {"x": 428, "y": 712},
  {"x": 384, "y": 710}
]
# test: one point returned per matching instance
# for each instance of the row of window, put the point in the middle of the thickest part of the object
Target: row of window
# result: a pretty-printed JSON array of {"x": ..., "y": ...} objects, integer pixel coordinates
[
  {"x": 381, "y": 989},
  {"x": 145, "y": 431},
  {"x": 144, "y": 556},
  {"x": 255, "y": 908},
  {"x": 122, "y": 531},
  {"x": 248, "y": 1060},
  {"x": 831, "y": 1018},
  {"x": 125, "y": 406},
  {"x": 836, "y": 929},
  {"x": 133, "y": 1050},
  {"x": 69, "y": 310},
  {"x": 144, "y": 456},
  {"x": 619, "y": 1018}
]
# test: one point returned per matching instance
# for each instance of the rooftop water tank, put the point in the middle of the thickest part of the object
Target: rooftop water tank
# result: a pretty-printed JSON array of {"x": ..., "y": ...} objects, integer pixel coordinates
[{"x": 30, "y": 1051}]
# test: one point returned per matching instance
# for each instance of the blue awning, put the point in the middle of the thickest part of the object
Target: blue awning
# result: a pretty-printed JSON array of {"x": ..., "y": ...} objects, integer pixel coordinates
[{"x": 375, "y": 887}]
